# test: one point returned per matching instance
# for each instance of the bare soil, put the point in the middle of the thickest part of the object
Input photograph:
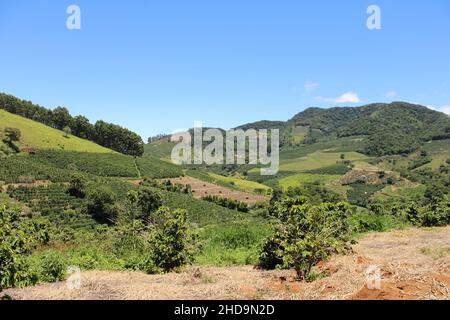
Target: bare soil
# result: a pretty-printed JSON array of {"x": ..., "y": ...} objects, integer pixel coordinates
[
  {"x": 402, "y": 258},
  {"x": 201, "y": 189}
]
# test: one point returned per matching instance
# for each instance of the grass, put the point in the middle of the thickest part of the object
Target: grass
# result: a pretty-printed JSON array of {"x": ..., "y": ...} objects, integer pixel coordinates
[
  {"x": 317, "y": 160},
  {"x": 39, "y": 136},
  {"x": 436, "y": 253},
  {"x": 238, "y": 183},
  {"x": 298, "y": 134},
  {"x": 364, "y": 222},
  {"x": 236, "y": 243},
  {"x": 388, "y": 193},
  {"x": 300, "y": 178},
  {"x": 162, "y": 150}
]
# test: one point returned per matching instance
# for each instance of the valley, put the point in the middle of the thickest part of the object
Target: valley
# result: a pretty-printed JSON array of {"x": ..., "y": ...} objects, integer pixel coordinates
[{"x": 141, "y": 227}]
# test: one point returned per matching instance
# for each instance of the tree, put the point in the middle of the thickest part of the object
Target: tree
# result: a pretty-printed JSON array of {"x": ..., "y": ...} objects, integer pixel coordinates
[
  {"x": 148, "y": 200},
  {"x": 102, "y": 205},
  {"x": 61, "y": 118},
  {"x": 67, "y": 131},
  {"x": 81, "y": 127},
  {"x": 11, "y": 136},
  {"x": 77, "y": 186},
  {"x": 306, "y": 234}
]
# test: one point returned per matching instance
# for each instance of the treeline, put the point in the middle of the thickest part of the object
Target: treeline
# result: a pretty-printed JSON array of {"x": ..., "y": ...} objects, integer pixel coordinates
[
  {"x": 105, "y": 134},
  {"x": 227, "y": 203}
]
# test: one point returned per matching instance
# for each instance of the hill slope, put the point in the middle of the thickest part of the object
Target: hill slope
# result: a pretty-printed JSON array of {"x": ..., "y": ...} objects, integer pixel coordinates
[
  {"x": 39, "y": 136},
  {"x": 394, "y": 128}
]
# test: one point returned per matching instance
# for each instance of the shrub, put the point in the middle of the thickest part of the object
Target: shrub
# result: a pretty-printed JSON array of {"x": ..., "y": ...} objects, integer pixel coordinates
[
  {"x": 149, "y": 200},
  {"x": 51, "y": 267},
  {"x": 172, "y": 241},
  {"x": 77, "y": 186},
  {"x": 102, "y": 205},
  {"x": 227, "y": 203},
  {"x": 306, "y": 234},
  {"x": 17, "y": 239}
]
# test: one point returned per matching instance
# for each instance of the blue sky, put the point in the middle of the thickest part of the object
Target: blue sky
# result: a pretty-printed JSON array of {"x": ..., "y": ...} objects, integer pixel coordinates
[{"x": 157, "y": 66}]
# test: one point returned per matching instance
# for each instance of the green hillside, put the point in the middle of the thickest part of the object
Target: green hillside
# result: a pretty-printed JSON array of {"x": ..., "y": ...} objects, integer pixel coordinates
[
  {"x": 35, "y": 135},
  {"x": 387, "y": 129}
]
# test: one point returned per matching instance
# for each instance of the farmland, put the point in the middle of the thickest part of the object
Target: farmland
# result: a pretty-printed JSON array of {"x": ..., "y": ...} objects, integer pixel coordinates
[{"x": 102, "y": 210}]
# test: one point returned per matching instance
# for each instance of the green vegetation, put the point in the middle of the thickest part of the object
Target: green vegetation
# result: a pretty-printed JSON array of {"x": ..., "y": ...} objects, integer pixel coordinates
[
  {"x": 239, "y": 183},
  {"x": 105, "y": 210},
  {"x": 302, "y": 178},
  {"x": 234, "y": 243},
  {"x": 35, "y": 135},
  {"x": 105, "y": 134},
  {"x": 305, "y": 234},
  {"x": 18, "y": 237},
  {"x": 227, "y": 203}
]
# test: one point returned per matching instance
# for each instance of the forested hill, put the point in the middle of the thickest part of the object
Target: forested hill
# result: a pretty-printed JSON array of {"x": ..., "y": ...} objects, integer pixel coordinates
[
  {"x": 394, "y": 128},
  {"x": 105, "y": 134}
]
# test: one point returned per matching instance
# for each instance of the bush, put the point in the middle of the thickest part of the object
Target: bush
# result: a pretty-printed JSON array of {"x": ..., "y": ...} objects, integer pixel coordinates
[
  {"x": 149, "y": 200},
  {"x": 362, "y": 222},
  {"x": 306, "y": 234},
  {"x": 77, "y": 186},
  {"x": 102, "y": 205},
  {"x": 227, "y": 203},
  {"x": 18, "y": 238},
  {"x": 51, "y": 267},
  {"x": 172, "y": 242}
]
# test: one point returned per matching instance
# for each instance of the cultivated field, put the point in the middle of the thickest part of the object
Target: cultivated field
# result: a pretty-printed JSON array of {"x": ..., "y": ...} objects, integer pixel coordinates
[{"x": 201, "y": 189}]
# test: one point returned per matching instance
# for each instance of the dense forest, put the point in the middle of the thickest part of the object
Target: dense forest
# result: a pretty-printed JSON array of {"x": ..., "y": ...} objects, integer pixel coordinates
[{"x": 105, "y": 134}]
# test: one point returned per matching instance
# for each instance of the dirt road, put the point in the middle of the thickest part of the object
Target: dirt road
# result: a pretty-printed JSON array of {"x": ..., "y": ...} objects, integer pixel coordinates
[{"x": 412, "y": 264}]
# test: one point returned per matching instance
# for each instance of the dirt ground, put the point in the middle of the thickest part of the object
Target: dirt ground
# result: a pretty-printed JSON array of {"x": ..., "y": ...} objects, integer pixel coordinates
[
  {"x": 412, "y": 264},
  {"x": 202, "y": 189}
]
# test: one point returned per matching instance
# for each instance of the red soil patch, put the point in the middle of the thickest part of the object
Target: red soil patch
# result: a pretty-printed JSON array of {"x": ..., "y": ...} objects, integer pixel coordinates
[{"x": 201, "y": 189}]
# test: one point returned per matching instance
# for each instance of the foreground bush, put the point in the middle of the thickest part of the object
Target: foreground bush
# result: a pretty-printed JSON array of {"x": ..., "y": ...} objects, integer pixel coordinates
[
  {"x": 51, "y": 267},
  {"x": 18, "y": 237},
  {"x": 172, "y": 241},
  {"x": 305, "y": 234}
]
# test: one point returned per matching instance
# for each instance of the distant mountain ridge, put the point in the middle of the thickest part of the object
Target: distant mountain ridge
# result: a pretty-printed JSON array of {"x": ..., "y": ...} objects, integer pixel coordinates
[{"x": 394, "y": 128}]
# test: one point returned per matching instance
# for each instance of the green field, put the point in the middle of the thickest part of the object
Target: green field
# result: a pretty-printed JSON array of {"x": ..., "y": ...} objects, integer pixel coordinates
[
  {"x": 57, "y": 166},
  {"x": 240, "y": 184},
  {"x": 300, "y": 178},
  {"x": 38, "y": 136},
  {"x": 318, "y": 159}
]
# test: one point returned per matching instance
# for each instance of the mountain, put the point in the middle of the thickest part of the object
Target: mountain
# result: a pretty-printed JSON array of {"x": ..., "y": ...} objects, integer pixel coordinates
[
  {"x": 394, "y": 128},
  {"x": 37, "y": 136}
]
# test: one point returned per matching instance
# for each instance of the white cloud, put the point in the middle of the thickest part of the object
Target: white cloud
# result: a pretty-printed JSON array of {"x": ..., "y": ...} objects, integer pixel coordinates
[
  {"x": 391, "y": 94},
  {"x": 348, "y": 97},
  {"x": 445, "y": 109},
  {"x": 309, "y": 86}
]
